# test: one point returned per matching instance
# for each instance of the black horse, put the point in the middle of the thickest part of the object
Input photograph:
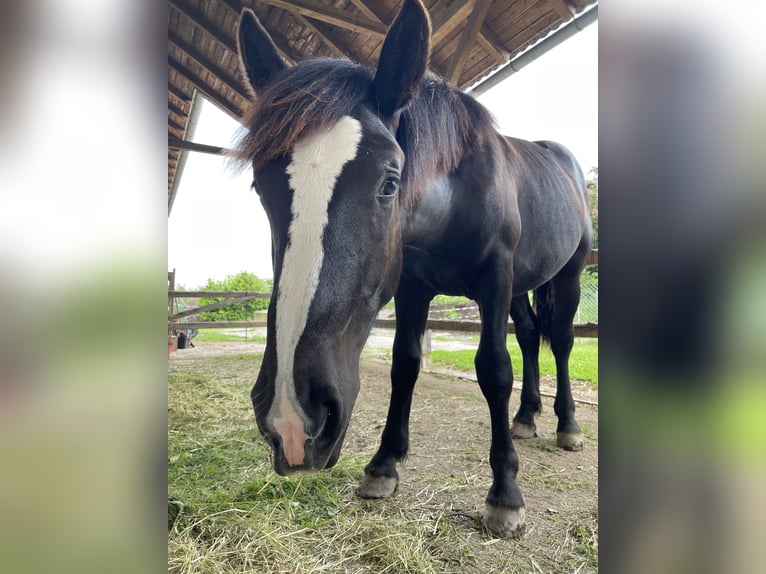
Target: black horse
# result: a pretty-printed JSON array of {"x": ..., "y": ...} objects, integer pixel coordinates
[{"x": 392, "y": 183}]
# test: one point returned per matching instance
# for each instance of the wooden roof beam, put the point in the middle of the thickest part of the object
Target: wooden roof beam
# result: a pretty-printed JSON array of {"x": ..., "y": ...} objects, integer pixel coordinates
[
  {"x": 372, "y": 12},
  {"x": 331, "y": 15},
  {"x": 204, "y": 24},
  {"x": 176, "y": 110},
  {"x": 444, "y": 22},
  {"x": 203, "y": 87},
  {"x": 177, "y": 92},
  {"x": 282, "y": 44},
  {"x": 232, "y": 83},
  {"x": 448, "y": 19},
  {"x": 174, "y": 123},
  {"x": 179, "y": 144},
  {"x": 492, "y": 45},
  {"x": 564, "y": 10},
  {"x": 467, "y": 40},
  {"x": 323, "y": 32}
]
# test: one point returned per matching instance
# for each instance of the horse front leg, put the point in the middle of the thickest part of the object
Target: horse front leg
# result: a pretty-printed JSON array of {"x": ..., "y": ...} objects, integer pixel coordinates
[
  {"x": 380, "y": 475},
  {"x": 504, "y": 511}
]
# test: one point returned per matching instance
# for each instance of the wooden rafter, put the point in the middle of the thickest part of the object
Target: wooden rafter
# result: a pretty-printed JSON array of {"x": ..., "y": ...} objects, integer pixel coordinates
[
  {"x": 176, "y": 110},
  {"x": 228, "y": 80},
  {"x": 176, "y": 124},
  {"x": 203, "y": 23},
  {"x": 235, "y": 7},
  {"x": 371, "y": 12},
  {"x": 179, "y": 144},
  {"x": 492, "y": 45},
  {"x": 203, "y": 87},
  {"x": 467, "y": 40},
  {"x": 448, "y": 19},
  {"x": 176, "y": 91},
  {"x": 331, "y": 15},
  {"x": 562, "y": 9},
  {"x": 323, "y": 32}
]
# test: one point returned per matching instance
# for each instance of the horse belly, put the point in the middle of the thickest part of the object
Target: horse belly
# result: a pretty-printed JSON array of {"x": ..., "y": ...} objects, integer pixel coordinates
[{"x": 546, "y": 245}]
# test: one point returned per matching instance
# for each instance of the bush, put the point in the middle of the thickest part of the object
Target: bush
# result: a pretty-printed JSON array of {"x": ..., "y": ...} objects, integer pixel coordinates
[{"x": 242, "y": 281}]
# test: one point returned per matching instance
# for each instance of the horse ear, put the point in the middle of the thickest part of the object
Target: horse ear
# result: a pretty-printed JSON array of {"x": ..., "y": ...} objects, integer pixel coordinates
[
  {"x": 258, "y": 56},
  {"x": 403, "y": 58}
]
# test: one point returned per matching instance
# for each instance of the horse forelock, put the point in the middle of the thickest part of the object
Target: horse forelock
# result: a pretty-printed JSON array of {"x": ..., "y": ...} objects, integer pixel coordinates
[
  {"x": 435, "y": 132},
  {"x": 308, "y": 98}
]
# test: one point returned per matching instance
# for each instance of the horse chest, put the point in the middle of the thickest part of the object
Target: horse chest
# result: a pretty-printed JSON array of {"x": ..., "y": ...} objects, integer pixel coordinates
[{"x": 451, "y": 272}]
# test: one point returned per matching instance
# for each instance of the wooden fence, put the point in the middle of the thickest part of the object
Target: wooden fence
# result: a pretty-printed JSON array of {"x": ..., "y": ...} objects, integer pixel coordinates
[{"x": 234, "y": 297}]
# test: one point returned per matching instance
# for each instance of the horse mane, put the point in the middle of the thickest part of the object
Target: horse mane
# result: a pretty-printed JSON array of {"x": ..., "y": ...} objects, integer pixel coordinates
[{"x": 436, "y": 131}]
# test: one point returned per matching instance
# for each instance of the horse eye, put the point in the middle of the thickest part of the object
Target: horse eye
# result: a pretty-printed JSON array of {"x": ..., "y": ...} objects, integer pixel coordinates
[{"x": 389, "y": 187}]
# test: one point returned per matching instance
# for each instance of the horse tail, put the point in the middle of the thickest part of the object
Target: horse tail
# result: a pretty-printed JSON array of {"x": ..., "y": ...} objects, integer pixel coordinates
[{"x": 544, "y": 308}]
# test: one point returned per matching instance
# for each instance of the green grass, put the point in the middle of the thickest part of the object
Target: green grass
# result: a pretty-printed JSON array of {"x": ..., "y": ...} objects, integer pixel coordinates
[
  {"x": 455, "y": 299},
  {"x": 228, "y": 512},
  {"x": 224, "y": 336},
  {"x": 583, "y": 362}
]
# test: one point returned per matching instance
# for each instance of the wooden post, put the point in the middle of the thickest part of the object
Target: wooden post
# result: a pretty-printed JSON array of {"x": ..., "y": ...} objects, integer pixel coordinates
[
  {"x": 425, "y": 347},
  {"x": 171, "y": 288}
]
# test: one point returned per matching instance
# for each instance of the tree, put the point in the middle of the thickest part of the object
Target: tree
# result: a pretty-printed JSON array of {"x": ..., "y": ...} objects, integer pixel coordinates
[
  {"x": 591, "y": 184},
  {"x": 242, "y": 281}
]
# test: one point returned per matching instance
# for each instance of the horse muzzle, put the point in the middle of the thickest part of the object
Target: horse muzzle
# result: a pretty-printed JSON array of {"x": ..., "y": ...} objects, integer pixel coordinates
[
  {"x": 294, "y": 450},
  {"x": 317, "y": 455}
]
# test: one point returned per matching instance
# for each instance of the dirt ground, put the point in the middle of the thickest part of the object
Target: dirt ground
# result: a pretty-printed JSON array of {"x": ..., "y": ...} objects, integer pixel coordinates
[{"x": 448, "y": 471}]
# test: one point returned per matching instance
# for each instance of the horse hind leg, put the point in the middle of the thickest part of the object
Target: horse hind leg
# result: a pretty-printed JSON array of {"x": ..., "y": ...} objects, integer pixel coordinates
[
  {"x": 528, "y": 337},
  {"x": 556, "y": 304}
]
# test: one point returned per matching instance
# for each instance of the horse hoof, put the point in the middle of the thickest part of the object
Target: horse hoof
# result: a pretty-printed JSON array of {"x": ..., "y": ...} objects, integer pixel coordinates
[
  {"x": 377, "y": 486},
  {"x": 504, "y": 522},
  {"x": 569, "y": 440},
  {"x": 523, "y": 430}
]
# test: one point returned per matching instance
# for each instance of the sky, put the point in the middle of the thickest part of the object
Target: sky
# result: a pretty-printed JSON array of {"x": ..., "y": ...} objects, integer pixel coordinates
[{"x": 218, "y": 228}]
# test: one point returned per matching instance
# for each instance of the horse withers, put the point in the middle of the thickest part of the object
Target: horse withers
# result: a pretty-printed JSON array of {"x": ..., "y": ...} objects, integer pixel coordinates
[{"x": 391, "y": 183}]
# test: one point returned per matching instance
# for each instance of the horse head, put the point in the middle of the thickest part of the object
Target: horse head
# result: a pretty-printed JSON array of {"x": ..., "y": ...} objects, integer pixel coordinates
[{"x": 327, "y": 167}]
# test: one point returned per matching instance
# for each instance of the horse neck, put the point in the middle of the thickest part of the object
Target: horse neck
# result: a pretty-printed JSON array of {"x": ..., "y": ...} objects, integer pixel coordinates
[{"x": 425, "y": 223}]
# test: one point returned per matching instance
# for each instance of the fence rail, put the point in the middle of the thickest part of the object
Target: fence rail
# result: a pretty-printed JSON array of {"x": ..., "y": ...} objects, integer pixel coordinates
[{"x": 581, "y": 329}]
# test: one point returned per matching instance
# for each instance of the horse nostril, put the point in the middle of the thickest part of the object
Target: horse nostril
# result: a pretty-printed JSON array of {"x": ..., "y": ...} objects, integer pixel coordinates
[
  {"x": 273, "y": 440},
  {"x": 328, "y": 420}
]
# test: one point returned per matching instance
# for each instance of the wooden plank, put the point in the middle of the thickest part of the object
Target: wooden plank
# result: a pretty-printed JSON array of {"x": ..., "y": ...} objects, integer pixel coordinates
[
  {"x": 580, "y": 329},
  {"x": 203, "y": 87},
  {"x": 492, "y": 45},
  {"x": 201, "y": 22},
  {"x": 229, "y": 81},
  {"x": 371, "y": 12},
  {"x": 211, "y": 307},
  {"x": 213, "y": 294},
  {"x": 331, "y": 15},
  {"x": 592, "y": 258},
  {"x": 176, "y": 143},
  {"x": 565, "y": 11},
  {"x": 235, "y": 7},
  {"x": 531, "y": 32},
  {"x": 218, "y": 325},
  {"x": 467, "y": 40},
  {"x": 176, "y": 110},
  {"x": 172, "y": 122},
  {"x": 185, "y": 98},
  {"x": 585, "y": 330},
  {"x": 325, "y": 33},
  {"x": 447, "y": 20},
  {"x": 171, "y": 288}
]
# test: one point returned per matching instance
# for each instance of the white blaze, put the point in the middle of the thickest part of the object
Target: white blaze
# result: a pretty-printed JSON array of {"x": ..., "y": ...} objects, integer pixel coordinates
[{"x": 314, "y": 168}]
